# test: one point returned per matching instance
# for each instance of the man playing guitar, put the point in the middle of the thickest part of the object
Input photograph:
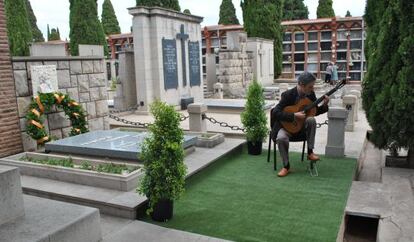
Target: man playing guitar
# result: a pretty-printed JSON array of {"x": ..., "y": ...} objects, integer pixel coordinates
[{"x": 303, "y": 90}]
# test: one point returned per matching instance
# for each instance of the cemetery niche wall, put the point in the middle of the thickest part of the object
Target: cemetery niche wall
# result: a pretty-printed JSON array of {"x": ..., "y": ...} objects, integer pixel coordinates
[{"x": 167, "y": 47}]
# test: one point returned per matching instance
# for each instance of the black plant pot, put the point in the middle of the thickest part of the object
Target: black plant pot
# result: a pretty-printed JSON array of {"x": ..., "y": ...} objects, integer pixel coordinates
[
  {"x": 163, "y": 210},
  {"x": 254, "y": 148}
]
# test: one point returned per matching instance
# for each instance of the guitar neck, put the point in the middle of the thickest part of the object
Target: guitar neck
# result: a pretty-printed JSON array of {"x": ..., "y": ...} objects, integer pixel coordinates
[{"x": 319, "y": 100}]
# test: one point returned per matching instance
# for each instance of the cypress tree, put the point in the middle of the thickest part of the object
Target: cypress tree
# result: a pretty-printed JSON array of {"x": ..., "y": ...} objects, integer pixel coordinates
[
  {"x": 169, "y": 4},
  {"x": 37, "y": 34},
  {"x": 295, "y": 9},
  {"x": 348, "y": 14},
  {"x": 187, "y": 11},
  {"x": 262, "y": 19},
  {"x": 18, "y": 27},
  {"x": 85, "y": 27},
  {"x": 48, "y": 33},
  {"x": 228, "y": 13},
  {"x": 54, "y": 35},
  {"x": 388, "y": 84},
  {"x": 110, "y": 23},
  {"x": 325, "y": 9}
]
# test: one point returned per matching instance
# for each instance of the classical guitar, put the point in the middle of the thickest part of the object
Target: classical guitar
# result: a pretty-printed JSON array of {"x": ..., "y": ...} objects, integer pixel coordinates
[{"x": 308, "y": 107}]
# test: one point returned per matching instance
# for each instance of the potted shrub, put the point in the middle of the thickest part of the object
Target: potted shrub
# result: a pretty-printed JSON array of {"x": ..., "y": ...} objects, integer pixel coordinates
[
  {"x": 163, "y": 156},
  {"x": 254, "y": 119}
]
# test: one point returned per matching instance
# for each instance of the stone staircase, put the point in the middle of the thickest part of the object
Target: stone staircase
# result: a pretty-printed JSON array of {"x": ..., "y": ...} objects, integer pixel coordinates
[
  {"x": 28, "y": 218},
  {"x": 383, "y": 193},
  {"x": 207, "y": 94}
]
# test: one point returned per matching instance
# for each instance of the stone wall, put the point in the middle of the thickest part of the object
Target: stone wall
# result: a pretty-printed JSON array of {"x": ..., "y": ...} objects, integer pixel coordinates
[
  {"x": 235, "y": 72},
  {"x": 10, "y": 141},
  {"x": 82, "y": 78}
]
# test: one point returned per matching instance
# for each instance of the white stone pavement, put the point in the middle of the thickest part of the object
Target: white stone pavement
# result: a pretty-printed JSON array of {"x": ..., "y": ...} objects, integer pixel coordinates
[{"x": 353, "y": 140}]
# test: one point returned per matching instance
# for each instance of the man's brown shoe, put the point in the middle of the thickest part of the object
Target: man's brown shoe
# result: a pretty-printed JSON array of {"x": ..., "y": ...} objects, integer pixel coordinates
[
  {"x": 313, "y": 157},
  {"x": 283, "y": 172}
]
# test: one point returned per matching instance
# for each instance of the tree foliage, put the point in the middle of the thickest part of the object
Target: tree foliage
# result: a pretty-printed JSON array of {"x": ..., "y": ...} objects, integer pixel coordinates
[
  {"x": 325, "y": 9},
  {"x": 348, "y": 14},
  {"x": 169, "y": 4},
  {"x": 254, "y": 117},
  {"x": 37, "y": 34},
  {"x": 18, "y": 27},
  {"x": 262, "y": 19},
  {"x": 228, "y": 13},
  {"x": 163, "y": 156},
  {"x": 187, "y": 11},
  {"x": 295, "y": 9},
  {"x": 54, "y": 35},
  {"x": 85, "y": 27},
  {"x": 388, "y": 87},
  {"x": 110, "y": 23}
]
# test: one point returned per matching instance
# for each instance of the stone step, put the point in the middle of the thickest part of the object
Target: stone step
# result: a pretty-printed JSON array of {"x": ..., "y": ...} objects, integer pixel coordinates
[
  {"x": 112, "y": 202},
  {"x": 52, "y": 221}
]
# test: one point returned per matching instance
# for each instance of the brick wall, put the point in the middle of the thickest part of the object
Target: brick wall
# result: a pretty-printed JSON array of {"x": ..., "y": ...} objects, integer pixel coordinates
[
  {"x": 10, "y": 141},
  {"x": 82, "y": 78}
]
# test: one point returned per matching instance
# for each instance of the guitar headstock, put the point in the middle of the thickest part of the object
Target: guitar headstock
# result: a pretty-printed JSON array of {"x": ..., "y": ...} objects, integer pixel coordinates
[{"x": 342, "y": 82}]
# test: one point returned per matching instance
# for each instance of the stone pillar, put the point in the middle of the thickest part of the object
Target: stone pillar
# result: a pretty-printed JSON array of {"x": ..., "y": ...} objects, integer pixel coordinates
[
  {"x": 196, "y": 112},
  {"x": 349, "y": 102},
  {"x": 126, "y": 92},
  {"x": 359, "y": 103},
  {"x": 211, "y": 71},
  {"x": 11, "y": 206},
  {"x": 218, "y": 90},
  {"x": 336, "y": 132},
  {"x": 282, "y": 88}
]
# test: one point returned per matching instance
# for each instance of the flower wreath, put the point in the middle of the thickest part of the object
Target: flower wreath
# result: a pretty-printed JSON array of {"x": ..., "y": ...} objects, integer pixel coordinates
[{"x": 43, "y": 102}]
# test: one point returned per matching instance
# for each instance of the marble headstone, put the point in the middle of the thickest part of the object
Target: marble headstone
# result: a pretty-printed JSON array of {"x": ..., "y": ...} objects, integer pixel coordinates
[
  {"x": 107, "y": 143},
  {"x": 44, "y": 79}
]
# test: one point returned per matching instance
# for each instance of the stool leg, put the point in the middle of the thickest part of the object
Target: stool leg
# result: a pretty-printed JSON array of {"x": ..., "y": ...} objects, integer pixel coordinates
[
  {"x": 268, "y": 150},
  {"x": 274, "y": 155},
  {"x": 303, "y": 150}
]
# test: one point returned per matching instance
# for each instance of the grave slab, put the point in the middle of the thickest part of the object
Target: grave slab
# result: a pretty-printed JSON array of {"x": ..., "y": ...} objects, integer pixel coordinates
[{"x": 107, "y": 143}]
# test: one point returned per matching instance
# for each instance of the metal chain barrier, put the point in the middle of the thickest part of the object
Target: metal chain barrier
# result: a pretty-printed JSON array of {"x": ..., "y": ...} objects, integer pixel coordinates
[
  {"x": 134, "y": 108},
  {"x": 318, "y": 125},
  {"x": 223, "y": 124}
]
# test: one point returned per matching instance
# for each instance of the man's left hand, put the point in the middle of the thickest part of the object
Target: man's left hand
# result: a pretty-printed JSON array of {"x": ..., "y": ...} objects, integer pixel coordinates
[{"x": 326, "y": 100}]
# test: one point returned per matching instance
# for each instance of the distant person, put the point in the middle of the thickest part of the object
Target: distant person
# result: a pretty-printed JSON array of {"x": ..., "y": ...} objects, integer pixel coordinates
[
  {"x": 328, "y": 73},
  {"x": 334, "y": 78}
]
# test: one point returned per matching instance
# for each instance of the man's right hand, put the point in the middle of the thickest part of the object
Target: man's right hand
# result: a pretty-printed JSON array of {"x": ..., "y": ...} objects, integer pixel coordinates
[{"x": 300, "y": 115}]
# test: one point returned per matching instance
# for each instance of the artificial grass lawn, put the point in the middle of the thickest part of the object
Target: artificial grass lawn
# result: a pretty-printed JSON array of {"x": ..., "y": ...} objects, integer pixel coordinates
[{"x": 241, "y": 198}]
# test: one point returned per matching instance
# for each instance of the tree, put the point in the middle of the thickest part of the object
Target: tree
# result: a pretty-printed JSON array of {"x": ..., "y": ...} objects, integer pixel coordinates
[
  {"x": 37, "y": 34},
  {"x": 187, "y": 11},
  {"x": 325, "y": 9},
  {"x": 85, "y": 27},
  {"x": 295, "y": 9},
  {"x": 48, "y": 32},
  {"x": 54, "y": 35},
  {"x": 18, "y": 27},
  {"x": 228, "y": 13},
  {"x": 348, "y": 14},
  {"x": 388, "y": 84},
  {"x": 109, "y": 21},
  {"x": 262, "y": 19},
  {"x": 169, "y": 4}
]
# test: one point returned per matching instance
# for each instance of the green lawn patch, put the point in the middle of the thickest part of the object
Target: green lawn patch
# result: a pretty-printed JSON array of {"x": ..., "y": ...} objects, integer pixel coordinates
[{"x": 241, "y": 198}]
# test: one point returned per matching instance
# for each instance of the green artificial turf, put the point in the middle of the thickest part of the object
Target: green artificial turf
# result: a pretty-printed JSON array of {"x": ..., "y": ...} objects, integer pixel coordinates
[{"x": 241, "y": 198}]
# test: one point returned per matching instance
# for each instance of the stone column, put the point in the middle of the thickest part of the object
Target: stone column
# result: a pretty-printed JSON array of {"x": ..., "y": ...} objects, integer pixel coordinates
[
  {"x": 336, "y": 132},
  {"x": 359, "y": 102},
  {"x": 196, "y": 112},
  {"x": 218, "y": 90},
  {"x": 11, "y": 206},
  {"x": 282, "y": 88},
  {"x": 349, "y": 102},
  {"x": 211, "y": 71},
  {"x": 126, "y": 92}
]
